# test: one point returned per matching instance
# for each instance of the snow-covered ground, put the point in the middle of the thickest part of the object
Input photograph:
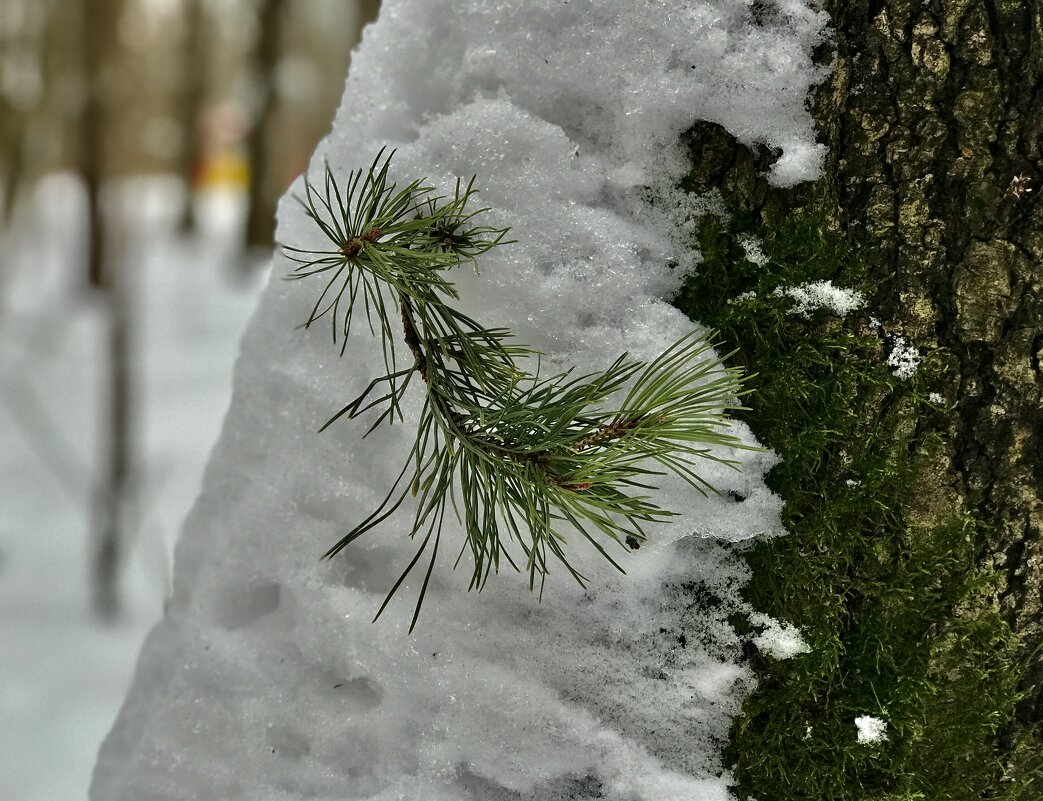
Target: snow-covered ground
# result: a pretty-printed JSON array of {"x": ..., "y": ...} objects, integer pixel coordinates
[{"x": 63, "y": 674}]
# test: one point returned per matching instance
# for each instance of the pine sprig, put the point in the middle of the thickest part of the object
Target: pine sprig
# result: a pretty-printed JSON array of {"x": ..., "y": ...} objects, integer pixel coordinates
[{"x": 520, "y": 460}]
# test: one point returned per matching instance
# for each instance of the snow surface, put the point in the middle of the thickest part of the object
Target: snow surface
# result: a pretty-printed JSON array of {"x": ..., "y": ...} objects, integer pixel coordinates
[{"x": 267, "y": 679}]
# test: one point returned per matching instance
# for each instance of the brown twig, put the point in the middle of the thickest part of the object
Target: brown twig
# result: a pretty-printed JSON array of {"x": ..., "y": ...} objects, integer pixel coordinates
[
  {"x": 613, "y": 430},
  {"x": 412, "y": 337}
]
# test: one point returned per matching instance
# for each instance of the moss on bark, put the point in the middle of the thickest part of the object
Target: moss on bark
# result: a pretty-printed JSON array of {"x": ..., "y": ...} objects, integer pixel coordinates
[
  {"x": 880, "y": 568},
  {"x": 920, "y": 583}
]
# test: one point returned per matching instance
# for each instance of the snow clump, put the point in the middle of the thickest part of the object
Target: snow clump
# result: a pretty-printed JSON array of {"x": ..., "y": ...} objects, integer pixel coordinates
[
  {"x": 267, "y": 678},
  {"x": 904, "y": 359},
  {"x": 751, "y": 246},
  {"x": 870, "y": 729},
  {"x": 815, "y": 295},
  {"x": 779, "y": 640}
]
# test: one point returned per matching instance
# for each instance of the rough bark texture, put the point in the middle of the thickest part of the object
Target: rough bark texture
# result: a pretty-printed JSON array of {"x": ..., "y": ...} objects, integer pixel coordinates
[{"x": 934, "y": 122}]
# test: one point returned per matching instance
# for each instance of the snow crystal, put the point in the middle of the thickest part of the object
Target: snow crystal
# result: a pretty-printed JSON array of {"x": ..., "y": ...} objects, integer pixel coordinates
[
  {"x": 870, "y": 729},
  {"x": 779, "y": 640},
  {"x": 751, "y": 246},
  {"x": 904, "y": 358},
  {"x": 815, "y": 295},
  {"x": 267, "y": 679}
]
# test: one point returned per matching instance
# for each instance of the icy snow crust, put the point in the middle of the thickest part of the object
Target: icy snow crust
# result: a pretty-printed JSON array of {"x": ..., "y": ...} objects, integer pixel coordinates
[{"x": 267, "y": 680}]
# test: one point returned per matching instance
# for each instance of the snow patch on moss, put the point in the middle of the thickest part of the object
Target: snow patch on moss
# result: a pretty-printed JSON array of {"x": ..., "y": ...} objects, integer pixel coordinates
[
  {"x": 904, "y": 358},
  {"x": 778, "y": 640},
  {"x": 814, "y": 295},
  {"x": 871, "y": 730}
]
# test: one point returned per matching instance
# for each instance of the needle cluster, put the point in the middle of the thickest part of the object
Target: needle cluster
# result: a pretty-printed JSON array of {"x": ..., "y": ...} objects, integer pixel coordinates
[{"x": 523, "y": 461}]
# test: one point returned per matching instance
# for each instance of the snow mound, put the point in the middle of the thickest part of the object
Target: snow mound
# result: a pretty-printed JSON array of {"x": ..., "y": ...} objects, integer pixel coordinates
[{"x": 267, "y": 679}]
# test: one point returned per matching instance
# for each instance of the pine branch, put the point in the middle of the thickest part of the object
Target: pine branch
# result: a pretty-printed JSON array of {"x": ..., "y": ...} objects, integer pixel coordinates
[{"x": 519, "y": 459}]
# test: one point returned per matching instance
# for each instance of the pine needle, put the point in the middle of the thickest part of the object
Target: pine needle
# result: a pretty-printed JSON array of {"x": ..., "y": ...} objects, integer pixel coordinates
[{"x": 519, "y": 460}]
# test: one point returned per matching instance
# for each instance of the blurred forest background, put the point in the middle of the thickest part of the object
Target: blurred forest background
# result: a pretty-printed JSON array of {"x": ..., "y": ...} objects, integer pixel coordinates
[
  {"x": 215, "y": 96},
  {"x": 143, "y": 147}
]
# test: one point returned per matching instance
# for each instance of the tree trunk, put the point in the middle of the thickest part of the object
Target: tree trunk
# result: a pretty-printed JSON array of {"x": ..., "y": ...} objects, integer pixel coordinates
[
  {"x": 99, "y": 36},
  {"x": 933, "y": 117},
  {"x": 12, "y": 153},
  {"x": 194, "y": 72},
  {"x": 22, "y": 45},
  {"x": 113, "y": 487},
  {"x": 267, "y": 183},
  {"x": 99, "y": 22},
  {"x": 260, "y": 222},
  {"x": 936, "y": 154},
  {"x": 368, "y": 11}
]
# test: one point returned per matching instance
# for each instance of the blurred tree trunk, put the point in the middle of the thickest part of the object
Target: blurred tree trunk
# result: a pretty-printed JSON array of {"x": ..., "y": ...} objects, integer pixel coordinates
[
  {"x": 99, "y": 25},
  {"x": 194, "y": 82},
  {"x": 99, "y": 39},
  {"x": 368, "y": 11},
  {"x": 12, "y": 152},
  {"x": 260, "y": 222},
  {"x": 113, "y": 493},
  {"x": 266, "y": 185},
  {"x": 934, "y": 121},
  {"x": 12, "y": 163},
  {"x": 23, "y": 48}
]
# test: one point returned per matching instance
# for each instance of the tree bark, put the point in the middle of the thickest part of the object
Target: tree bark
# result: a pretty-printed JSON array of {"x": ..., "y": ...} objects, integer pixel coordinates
[
  {"x": 265, "y": 186},
  {"x": 936, "y": 154},
  {"x": 933, "y": 117},
  {"x": 936, "y": 134}
]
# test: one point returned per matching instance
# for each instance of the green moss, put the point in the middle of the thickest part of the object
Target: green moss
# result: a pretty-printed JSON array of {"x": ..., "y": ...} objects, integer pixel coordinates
[{"x": 891, "y": 602}]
